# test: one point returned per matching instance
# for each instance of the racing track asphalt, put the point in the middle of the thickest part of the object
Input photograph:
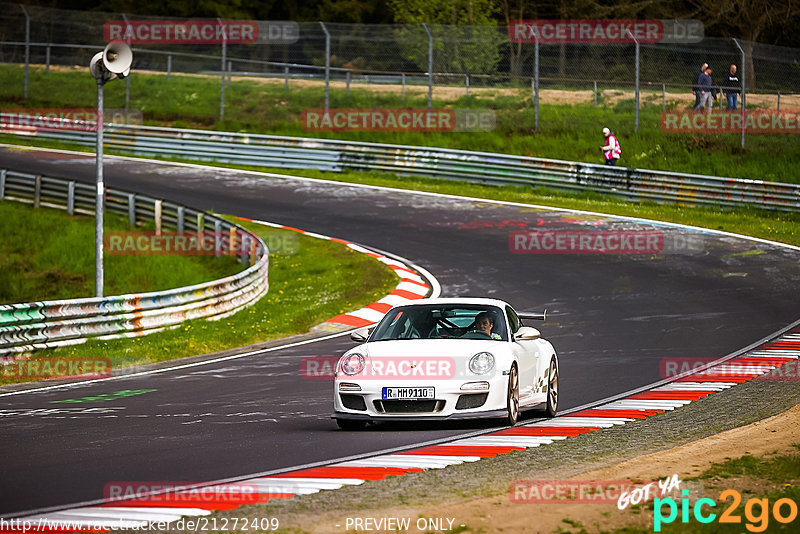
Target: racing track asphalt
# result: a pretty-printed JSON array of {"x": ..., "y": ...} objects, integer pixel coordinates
[{"x": 613, "y": 319}]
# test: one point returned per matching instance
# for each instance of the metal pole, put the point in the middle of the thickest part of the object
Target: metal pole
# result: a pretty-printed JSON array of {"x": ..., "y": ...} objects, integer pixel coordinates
[
  {"x": 327, "y": 66},
  {"x": 636, "y": 124},
  {"x": 127, "y": 78},
  {"x": 595, "y": 93},
  {"x": 169, "y": 66},
  {"x": 466, "y": 83},
  {"x": 403, "y": 90},
  {"x": 744, "y": 90},
  {"x": 222, "y": 68},
  {"x": 47, "y": 59},
  {"x": 98, "y": 206},
  {"x": 663, "y": 96},
  {"x": 536, "y": 84},
  {"x": 230, "y": 71},
  {"x": 779, "y": 101},
  {"x": 347, "y": 92},
  {"x": 430, "y": 66},
  {"x": 286, "y": 78},
  {"x": 27, "y": 49}
]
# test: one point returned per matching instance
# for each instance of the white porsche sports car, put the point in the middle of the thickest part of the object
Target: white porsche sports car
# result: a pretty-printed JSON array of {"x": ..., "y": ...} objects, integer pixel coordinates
[{"x": 443, "y": 359}]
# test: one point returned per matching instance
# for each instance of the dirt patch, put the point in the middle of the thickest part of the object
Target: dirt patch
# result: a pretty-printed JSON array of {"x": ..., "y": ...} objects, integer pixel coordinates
[{"x": 497, "y": 513}]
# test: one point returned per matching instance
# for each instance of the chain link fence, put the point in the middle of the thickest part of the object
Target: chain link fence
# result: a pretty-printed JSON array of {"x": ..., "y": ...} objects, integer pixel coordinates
[{"x": 430, "y": 57}]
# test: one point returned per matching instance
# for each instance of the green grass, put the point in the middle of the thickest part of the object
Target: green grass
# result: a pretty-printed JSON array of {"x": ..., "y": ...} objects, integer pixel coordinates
[
  {"x": 781, "y": 473},
  {"x": 570, "y": 132},
  {"x": 46, "y": 254},
  {"x": 310, "y": 281}
]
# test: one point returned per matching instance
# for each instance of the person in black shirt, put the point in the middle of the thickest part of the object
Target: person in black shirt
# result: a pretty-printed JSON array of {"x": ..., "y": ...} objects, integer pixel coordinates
[{"x": 732, "y": 89}]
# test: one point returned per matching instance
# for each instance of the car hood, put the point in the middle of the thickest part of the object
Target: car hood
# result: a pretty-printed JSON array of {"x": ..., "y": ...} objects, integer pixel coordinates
[{"x": 421, "y": 348}]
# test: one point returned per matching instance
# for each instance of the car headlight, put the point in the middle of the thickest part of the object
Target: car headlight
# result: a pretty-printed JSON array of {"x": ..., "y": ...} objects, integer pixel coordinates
[
  {"x": 481, "y": 363},
  {"x": 352, "y": 364}
]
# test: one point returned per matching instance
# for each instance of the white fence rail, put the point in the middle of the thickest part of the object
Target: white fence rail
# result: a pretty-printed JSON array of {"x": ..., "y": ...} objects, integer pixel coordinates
[{"x": 35, "y": 325}]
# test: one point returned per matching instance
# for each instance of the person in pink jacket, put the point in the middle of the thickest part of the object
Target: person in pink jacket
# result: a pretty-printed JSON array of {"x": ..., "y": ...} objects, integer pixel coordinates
[{"x": 611, "y": 150}]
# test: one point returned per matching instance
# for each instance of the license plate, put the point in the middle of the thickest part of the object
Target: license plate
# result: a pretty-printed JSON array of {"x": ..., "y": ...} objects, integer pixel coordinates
[{"x": 407, "y": 393}]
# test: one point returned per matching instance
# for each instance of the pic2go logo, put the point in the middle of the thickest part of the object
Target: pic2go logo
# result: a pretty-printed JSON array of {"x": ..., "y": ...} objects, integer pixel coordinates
[{"x": 756, "y": 511}]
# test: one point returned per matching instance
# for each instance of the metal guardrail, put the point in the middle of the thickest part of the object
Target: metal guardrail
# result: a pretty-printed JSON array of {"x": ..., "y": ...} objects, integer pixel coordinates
[
  {"x": 462, "y": 165},
  {"x": 36, "y": 325}
]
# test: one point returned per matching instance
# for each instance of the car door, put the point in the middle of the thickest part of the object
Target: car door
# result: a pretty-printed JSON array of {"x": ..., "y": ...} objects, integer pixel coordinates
[{"x": 526, "y": 353}]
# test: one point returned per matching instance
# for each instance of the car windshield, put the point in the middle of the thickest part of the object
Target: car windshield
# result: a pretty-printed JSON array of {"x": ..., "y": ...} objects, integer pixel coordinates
[{"x": 442, "y": 321}]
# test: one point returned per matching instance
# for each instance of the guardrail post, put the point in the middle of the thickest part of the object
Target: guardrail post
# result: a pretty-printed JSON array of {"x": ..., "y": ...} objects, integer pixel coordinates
[
  {"x": 201, "y": 226},
  {"x": 403, "y": 81},
  {"x": 132, "y": 209},
  {"x": 243, "y": 249},
  {"x": 230, "y": 71},
  {"x": 71, "y": 197},
  {"x": 347, "y": 91},
  {"x": 47, "y": 59},
  {"x": 232, "y": 241},
  {"x": 157, "y": 215},
  {"x": 217, "y": 238},
  {"x": 180, "y": 219},
  {"x": 37, "y": 190},
  {"x": 169, "y": 66},
  {"x": 254, "y": 246},
  {"x": 466, "y": 84},
  {"x": 3, "y": 183},
  {"x": 286, "y": 78},
  {"x": 27, "y": 50}
]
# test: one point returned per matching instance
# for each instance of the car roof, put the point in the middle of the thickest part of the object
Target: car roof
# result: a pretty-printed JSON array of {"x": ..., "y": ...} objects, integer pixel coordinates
[{"x": 460, "y": 300}]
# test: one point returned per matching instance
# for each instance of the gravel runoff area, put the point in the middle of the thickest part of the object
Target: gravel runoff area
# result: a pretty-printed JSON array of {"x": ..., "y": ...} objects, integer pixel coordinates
[{"x": 410, "y": 495}]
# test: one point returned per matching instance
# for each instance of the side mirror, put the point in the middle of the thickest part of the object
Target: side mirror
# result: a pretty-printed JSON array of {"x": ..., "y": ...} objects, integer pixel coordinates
[
  {"x": 526, "y": 333},
  {"x": 360, "y": 335}
]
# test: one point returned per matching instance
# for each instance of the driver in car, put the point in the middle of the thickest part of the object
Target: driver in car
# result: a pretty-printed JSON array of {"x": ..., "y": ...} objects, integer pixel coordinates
[{"x": 484, "y": 323}]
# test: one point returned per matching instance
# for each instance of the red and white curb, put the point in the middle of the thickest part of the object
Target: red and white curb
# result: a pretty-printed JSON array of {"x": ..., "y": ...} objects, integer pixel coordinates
[
  {"x": 686, "y": 389},
  {"x": 412, "y": 286}
]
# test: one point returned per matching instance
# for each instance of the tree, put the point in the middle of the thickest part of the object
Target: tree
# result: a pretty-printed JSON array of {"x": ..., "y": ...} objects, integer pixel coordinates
[{"x": 466, "y": 36}]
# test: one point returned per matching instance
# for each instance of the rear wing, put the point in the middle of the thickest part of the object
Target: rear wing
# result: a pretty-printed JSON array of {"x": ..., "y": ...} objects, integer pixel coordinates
[{"x": 533, "y": 316}]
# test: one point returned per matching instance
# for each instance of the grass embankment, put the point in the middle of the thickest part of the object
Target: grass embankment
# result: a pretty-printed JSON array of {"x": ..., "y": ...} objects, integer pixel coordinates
[
  {"x": 46, "y": 254},
  {"x": 311, "y": 280},
  {"x": 567, "y": 131}
]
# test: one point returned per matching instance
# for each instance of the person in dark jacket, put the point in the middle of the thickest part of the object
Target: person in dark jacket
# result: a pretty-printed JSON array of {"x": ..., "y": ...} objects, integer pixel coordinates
[
  {"x": 706, "y": 91},
  {"x": 732, "y": 89},
  {"x": 695, "y": 84}
]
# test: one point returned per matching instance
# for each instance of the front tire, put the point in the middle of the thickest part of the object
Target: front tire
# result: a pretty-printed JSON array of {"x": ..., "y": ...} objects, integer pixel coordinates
[
  {"x": 512, "y": 401},
  {"x": 351, "y": 424},
  {"x": 552, "y": 389}
]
